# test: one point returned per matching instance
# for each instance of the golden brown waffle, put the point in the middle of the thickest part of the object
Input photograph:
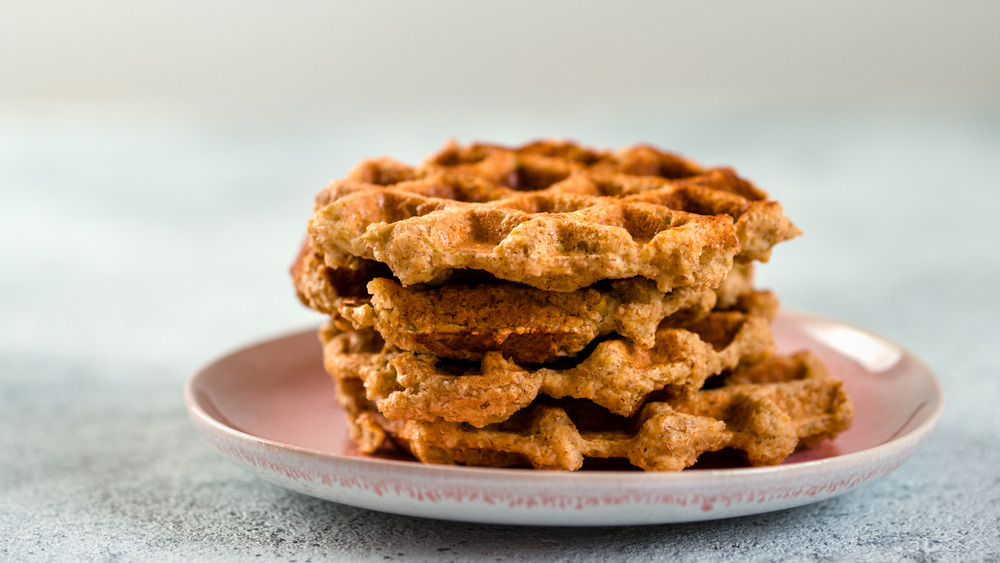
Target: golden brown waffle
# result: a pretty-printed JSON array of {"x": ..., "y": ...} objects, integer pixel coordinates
[
  {"x": 524, "y": 323},
  {"x": 616, "y": 374},
  {"x": 558, "y": 242},
  {"x": 820, "y": 417},
  {"x": 797, "y": 406},
  {"x": 600, "y": 219},
  {"x": 530, "y": 167}
]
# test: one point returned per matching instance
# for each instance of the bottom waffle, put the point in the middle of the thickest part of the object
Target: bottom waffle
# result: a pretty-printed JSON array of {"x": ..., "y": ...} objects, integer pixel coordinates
[{"x": 766, "y": 410}]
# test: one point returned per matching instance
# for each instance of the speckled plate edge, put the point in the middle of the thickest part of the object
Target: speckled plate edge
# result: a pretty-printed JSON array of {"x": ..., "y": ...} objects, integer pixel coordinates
[{"x": 593, "y": 498}]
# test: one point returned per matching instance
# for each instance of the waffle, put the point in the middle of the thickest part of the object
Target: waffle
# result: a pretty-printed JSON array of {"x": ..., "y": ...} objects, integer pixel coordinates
[
  {"x": 616, "y": 374},
  {"x": 796, "y": 406},
  {"x": 555, "y": 217},
  {"x": 524, "y": 323}
]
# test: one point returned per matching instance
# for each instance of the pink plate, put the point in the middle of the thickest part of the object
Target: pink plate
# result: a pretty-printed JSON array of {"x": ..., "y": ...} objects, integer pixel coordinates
[{"x": 270, "y": 409}]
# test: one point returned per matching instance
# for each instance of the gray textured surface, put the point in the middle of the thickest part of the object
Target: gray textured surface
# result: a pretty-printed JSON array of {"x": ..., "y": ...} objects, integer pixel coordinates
[{"x": 137, "y": 246}]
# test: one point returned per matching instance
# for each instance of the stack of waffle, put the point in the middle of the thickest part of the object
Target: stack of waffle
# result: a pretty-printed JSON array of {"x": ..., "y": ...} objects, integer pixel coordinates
[{"x": 550, "y": 304}]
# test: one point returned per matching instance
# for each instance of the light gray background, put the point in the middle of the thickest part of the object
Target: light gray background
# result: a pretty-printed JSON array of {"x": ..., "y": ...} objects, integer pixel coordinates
[
  {"x": 516, "y": 53},
  {"x": 157, "y": 166}
]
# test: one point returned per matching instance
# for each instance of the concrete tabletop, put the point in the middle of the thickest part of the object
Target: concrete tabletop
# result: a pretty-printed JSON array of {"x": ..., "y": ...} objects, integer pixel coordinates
[{"x": 139, "y": 244}]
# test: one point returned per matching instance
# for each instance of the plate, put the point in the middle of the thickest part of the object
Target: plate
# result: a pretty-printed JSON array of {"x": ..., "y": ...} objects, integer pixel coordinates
[{"x": 270, "y": 408}]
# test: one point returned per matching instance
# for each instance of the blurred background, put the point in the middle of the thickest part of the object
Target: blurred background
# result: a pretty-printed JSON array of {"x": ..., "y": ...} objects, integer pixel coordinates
[
  {"x": 520, "y": 54},
  {"x": 158, "y": 159}
]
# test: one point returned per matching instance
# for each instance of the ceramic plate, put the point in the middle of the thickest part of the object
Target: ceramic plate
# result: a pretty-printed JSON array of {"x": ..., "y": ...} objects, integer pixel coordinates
[{"x": 270, "y": 409}]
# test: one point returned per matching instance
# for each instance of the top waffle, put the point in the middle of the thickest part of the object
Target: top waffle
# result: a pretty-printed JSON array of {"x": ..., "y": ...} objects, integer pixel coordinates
[{"x": 551, "y": 215}]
